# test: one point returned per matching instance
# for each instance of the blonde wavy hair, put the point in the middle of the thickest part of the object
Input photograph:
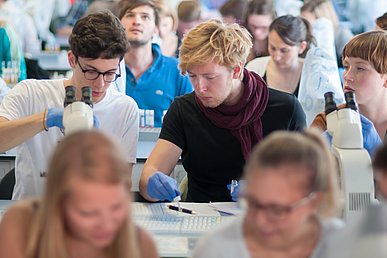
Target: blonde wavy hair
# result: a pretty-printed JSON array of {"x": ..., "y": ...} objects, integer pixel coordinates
[
  {"x": 215, "y": 41},
  {"x": 92, "y": 156},
  {"x": 307, "y": 149}
]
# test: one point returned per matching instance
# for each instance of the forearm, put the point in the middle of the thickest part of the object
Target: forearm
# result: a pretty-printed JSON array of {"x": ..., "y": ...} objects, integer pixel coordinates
[
  {"x": 13, "y": 133},
  {"x": 163, "y": 159}
]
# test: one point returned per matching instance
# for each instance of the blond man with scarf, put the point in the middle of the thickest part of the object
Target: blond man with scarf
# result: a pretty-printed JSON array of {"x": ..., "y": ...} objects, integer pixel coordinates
[{"x": 214, "y": 128}]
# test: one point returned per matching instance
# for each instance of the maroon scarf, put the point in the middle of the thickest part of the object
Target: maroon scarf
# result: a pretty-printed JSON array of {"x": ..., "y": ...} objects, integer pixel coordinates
[{"x": 243, "y": 119}]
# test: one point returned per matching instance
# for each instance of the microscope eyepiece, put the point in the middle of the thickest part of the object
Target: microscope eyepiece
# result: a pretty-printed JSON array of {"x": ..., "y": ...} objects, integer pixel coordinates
[
  {"x": 330, "y": 104},
  {"x": 87, "y": 95},
  {"x": 350, "y": 100},
  {"x": 70, "y": 95}
]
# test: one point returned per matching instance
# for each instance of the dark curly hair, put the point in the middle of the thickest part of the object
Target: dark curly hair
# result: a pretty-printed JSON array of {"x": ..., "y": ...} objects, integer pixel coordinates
[{"x": 99, "y": 35}]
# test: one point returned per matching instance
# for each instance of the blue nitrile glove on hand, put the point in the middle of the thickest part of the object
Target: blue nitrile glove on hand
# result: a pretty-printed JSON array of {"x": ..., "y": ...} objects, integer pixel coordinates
[
  {"x": 327, "y": 136},
  {"x": 96, "y": 122},
  {"x": 162, "y": 187},
  {"x": 54, "y": 117},
  {"x": 371, "y": 138},
  {"x": 235, "y": 193}
]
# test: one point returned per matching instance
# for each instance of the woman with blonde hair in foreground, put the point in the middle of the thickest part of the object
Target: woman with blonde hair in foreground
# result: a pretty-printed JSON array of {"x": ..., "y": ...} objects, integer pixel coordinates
[
  {"x": 85, "y": 211},
  {"x": 291, "y": 195}
]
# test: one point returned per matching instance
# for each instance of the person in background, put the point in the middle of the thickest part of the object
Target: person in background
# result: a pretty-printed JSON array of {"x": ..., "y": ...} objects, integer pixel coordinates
[
  {"x": 101, "y": 5},
  {"x": 259, "y": 15},
  {"x": 214, "y": 128},
  {"x": 379, "y": 163},
  {"x": 23, "y": 25},
  {"x": 31, "y": 114},
  {"x": 233, "y": 11},
  {"x": 42, "y": 12},
  {"x": 381, "y": 22},
  {"x": 63, "y": 25},
  {"x": 313, "y": 10},
  {"x": 290, "y": 38},
  {"x": 291, "y": 192},
  {"x": 189, "y": 15},
  {"x": 170, "y": 42},
  {"x": 365, "y": 74},
  {"x": 85, "y": 211},
  {"x": 11, "y": 55},
  {"x": 152, "y": 79}
]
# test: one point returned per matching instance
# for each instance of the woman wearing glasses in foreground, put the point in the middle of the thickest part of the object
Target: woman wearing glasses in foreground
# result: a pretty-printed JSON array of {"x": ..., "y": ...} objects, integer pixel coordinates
[{"x": 291, "y": 194}]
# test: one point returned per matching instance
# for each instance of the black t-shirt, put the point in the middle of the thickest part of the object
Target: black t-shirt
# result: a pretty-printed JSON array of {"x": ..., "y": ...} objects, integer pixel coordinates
[{"x": 212, "y": 156}]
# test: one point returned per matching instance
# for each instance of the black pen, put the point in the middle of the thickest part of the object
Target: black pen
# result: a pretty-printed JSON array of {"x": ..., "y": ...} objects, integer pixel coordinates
[{"x": 175, "y": 208}]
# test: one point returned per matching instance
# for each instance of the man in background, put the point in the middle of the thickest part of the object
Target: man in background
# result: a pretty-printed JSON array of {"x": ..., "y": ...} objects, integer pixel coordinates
[{"x": 152, "y": 79}]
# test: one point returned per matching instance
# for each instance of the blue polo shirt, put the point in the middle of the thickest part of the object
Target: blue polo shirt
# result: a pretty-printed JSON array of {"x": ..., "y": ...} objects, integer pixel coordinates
[{"x": 158, "y": 86}]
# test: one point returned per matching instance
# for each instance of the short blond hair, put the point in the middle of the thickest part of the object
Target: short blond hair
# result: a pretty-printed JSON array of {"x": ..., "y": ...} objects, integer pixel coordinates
[{"x": 215, "y": 41}]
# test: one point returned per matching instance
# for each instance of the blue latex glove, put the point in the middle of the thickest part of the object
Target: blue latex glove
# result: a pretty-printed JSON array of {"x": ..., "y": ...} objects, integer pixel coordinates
[
  {"x": 327, "y": 136},
  {"x": 236, "y": 192},
  {"x": 162, "y": 187},
  {"x": 371, "y": 138},
  {"x": 96, "y": 121},
  {"x": 54, "y": 117}
]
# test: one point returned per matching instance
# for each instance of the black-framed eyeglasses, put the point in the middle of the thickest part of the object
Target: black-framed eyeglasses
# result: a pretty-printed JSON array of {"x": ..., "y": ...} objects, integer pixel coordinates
[
  {"x": 276, "y": 212},
  {"x": 91, "y": 74}
]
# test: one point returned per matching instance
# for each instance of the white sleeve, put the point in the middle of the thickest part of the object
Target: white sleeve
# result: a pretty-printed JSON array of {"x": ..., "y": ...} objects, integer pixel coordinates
[
  {"x": 130, "y": 137},
  {"x": 15, "y": 104}
]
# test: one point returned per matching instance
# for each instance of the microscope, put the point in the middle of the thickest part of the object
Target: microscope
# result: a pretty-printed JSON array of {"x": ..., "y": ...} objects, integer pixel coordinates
[
  {"x": 78, "y": 115},
  {"x": 354, "y": 163}
]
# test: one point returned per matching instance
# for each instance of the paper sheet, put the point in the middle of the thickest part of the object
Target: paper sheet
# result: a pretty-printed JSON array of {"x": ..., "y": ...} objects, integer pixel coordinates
[
  {"x": 202, "y": 209},
  {"x": 232, "y": 208}
]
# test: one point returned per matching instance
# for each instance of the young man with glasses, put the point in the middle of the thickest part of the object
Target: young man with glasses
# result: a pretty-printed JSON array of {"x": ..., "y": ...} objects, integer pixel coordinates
[
  {"x": 31, "y": 114},
  {"x": 292, "y": 200}
]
